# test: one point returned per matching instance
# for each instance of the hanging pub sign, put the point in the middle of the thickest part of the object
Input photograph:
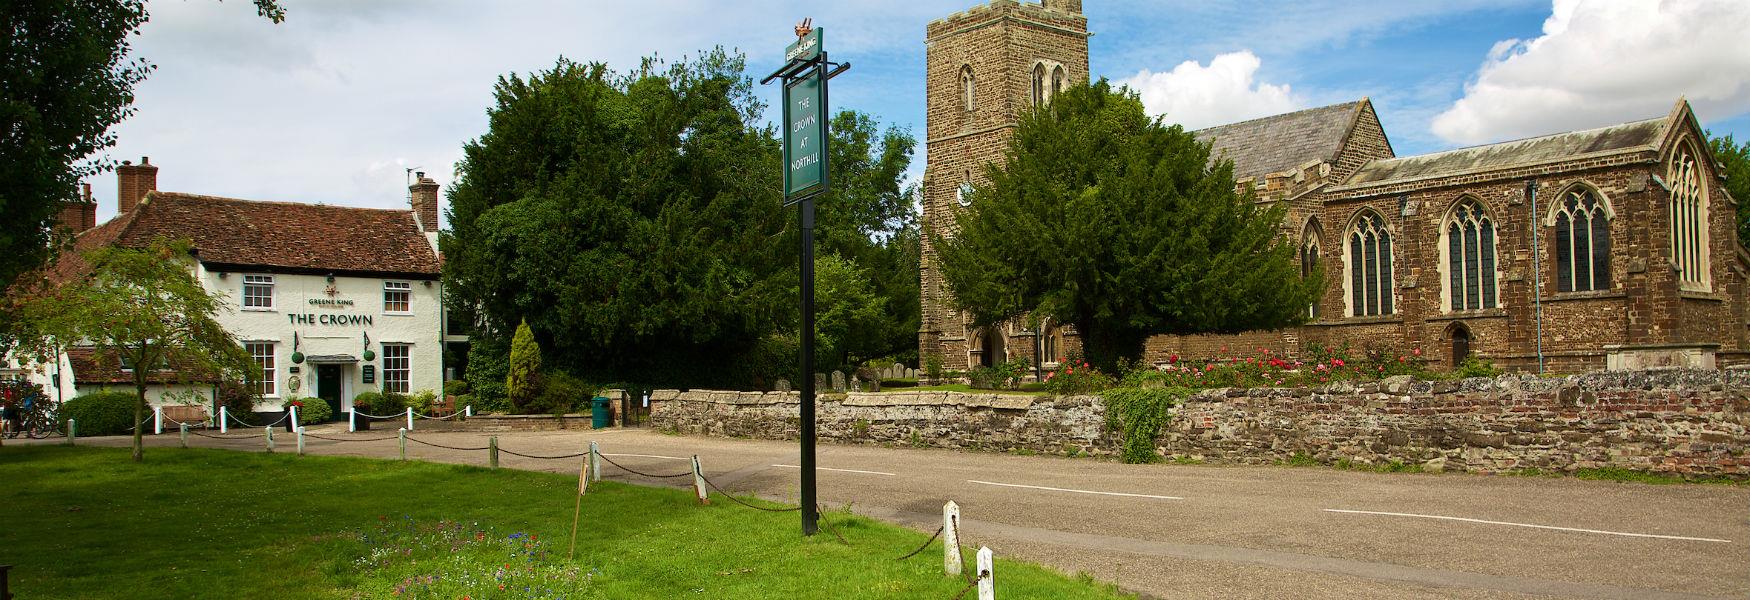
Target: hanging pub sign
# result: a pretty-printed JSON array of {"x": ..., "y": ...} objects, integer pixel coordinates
[{"x": 805, "y": 120}]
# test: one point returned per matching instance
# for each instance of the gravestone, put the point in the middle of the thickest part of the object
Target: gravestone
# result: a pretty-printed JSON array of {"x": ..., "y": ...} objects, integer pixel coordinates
[
  {"x": 874, "y": 385},
  {"x": 783, "y": 385},
  {"x": 820, "y": 382},
  {"x": 838, "y": 381},
  {"x": 911, "y": 373}
]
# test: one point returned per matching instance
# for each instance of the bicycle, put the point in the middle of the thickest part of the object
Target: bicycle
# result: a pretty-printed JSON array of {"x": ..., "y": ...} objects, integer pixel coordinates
[{"x": 27, "y": 411}]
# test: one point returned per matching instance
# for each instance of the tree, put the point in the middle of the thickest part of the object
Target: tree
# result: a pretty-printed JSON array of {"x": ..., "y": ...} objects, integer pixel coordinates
[
  {"x": 522, "y": 384},
  {"x": 1736, "y": 159},
  {"x": 850, "y": 316},
  {"x": 67, "y": 80},
  {"x": 869, "y": 219},
  {"x": 1115, "y": 222},
  {"x": 141, "y": 307}
]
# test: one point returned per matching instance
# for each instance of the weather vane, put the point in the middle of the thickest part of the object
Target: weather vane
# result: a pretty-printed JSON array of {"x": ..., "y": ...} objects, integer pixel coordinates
[{"x": 804, "y": 27}]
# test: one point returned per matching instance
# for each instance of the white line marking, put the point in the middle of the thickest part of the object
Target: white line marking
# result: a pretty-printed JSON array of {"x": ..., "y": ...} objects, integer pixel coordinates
[
  {"x": 1041, "y": 487},
  {"x": 831, "y": 469},
  {"x": 647, "y": 456},
  {"x": 1552, "y": 527}
]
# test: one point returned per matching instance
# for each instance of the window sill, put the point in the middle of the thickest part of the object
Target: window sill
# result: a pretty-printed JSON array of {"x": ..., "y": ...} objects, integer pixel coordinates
[
  {"x": 267, "y": 309},
  {"x": 1392, "y": 318},
  {"x": 1491, "y": 313},
  {"x": 397, "y": 314},
  {"x": 1698, "y": 295},
  {"x": 1592, "y": 295}
]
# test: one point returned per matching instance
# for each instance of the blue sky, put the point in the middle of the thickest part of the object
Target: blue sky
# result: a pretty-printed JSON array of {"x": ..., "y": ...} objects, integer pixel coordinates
[{"x": 333, "y": 105}]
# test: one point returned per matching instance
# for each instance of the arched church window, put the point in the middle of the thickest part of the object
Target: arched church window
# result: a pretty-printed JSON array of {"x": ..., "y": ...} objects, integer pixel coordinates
[
  {"x": 1582, "y": 242},
  {"x": 1688, "y": 212},
  {"x": 1309, "y": 259},
  {"x": 1038, "y": 84},
  {"x": 1058, "y": 80},
  {"x": 1470, "y": 256},
  {"x": 963, "y": 193},
  {"x": 1370, "y": 273},
  {"x": 968, "y": 88}
]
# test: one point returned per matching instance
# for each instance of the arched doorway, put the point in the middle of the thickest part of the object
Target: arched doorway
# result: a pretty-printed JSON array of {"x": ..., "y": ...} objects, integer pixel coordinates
[
  {"x": 993, "y": 346},
  {"x": 1461, "y": 340}
]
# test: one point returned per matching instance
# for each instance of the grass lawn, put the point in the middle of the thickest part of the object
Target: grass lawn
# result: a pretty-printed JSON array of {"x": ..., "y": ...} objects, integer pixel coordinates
[{"x": 88, "y": 523}]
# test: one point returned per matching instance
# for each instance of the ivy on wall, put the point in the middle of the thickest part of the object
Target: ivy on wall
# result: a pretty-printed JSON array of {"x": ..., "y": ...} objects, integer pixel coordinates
[{"x": 1138, "y": 414}]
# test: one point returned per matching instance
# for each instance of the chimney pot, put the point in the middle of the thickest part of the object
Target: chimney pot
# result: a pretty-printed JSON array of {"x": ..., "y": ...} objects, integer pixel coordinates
[
  {"x": 133, "y": 182},
  {"x": 423, "y": 198}
]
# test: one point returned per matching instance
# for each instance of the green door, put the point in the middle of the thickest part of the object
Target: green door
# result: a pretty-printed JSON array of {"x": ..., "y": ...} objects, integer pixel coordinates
[{"x": 328, "y": 386}]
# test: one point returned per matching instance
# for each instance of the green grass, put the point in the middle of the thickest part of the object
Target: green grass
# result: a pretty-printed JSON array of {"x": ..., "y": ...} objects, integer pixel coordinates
[
  {"x": 88, "y": 523},
  {"x": 1629, "y": 476}
]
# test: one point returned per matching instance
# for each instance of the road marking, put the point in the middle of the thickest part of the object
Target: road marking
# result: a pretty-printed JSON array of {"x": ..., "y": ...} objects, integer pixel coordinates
[
  {"x": 1041, "y": 487},
  {"x": 648, "y": 456},
  {"x": 1551, "y": 527},
  {"x": 831, "y": 469}
]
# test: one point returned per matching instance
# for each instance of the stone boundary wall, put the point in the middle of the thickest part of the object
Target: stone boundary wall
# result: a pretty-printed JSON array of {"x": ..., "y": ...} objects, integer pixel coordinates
[
  {"x": 1001, "y": 422},
  {"x": 496, "y": 423},
  {"x": 1681, "y": 422}
]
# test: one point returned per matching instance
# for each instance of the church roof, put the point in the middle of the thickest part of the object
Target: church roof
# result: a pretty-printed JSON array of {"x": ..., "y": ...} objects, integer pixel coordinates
[
  {"x": 1638, "y": 135},
  {"x": 1282, "y": 142}
]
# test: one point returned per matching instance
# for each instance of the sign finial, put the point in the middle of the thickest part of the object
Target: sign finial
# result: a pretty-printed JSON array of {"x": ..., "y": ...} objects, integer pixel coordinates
[{"x": 804, "y": 27}]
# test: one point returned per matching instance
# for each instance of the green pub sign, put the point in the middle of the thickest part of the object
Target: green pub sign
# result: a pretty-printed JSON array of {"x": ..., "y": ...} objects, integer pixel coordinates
[{"x": 805, "y": 121}]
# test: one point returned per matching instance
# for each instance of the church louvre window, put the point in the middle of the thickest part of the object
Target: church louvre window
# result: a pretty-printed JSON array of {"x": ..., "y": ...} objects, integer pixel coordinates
[
  {"x": 968, "y": 88},
  {"x": 1688, "y": 215},
  {"x": 1039, "y": 84},
  {"x": 1369, "y": 248},
  {"x": 1582, "y": 242},
  {"x": 1470, "y": 257}
]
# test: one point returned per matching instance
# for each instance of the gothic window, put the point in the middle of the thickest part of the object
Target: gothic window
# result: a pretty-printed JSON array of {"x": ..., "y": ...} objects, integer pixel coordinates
[
  {"x": 1582, "y": 242},
  {"x": 1051, "y": 344},
  {"x": 1038, "y": 84},
  {"x": 968, "y": 91},
  {"x": 963, "y": 193},
  {"x": 1688, "y": 212},
  {"x": 1370, "y": 283},
  {"x": 1058, "y": 81},
  {"x": 1470, "y": 257},
  {"x": 1309, "y": 259}
]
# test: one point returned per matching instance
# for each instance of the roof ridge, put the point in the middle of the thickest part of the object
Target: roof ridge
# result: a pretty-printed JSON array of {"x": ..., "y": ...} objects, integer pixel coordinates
[
  {"x": 1526, "y": 139},
  {"x": 1268, "y": 117},
  {"x": 273, "y": 202}
]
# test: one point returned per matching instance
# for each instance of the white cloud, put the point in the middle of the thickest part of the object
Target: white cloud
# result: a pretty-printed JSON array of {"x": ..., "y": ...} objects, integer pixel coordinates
[
  {"x": 1601, "y": 62},
  {"x": 1199, "y": 96}
]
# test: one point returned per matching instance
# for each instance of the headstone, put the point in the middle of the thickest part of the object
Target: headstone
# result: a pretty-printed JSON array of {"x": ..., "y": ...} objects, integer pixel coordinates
[
  {"x": 874, "y": 386},
  {"x": 838, "y": 381},
  {"x": 820, "y": 382},
  {"x": 783, "y": 385},
  {"x": 911, "y": 373}
]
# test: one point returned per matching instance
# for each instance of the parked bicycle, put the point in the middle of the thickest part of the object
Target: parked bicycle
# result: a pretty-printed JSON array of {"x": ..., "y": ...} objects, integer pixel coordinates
[{"x": 26, "y": 410}]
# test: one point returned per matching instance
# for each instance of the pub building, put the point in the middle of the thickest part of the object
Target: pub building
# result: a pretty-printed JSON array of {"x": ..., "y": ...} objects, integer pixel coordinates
[{"x": 331, "y": 301}]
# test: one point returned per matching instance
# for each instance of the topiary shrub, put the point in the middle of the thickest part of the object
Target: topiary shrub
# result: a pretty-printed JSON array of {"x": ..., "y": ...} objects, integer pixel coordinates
[
  {"x": 101, "y": 413},
  {"x": 311, "y": 410},
  {"x": 1137, "y": 414},
  {"x": 523, "y": 384}
]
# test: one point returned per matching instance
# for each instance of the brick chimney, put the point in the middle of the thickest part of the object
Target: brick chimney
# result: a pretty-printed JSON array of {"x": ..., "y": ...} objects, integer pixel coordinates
[
  {"x": 79, "y": 214},
  {"x": 1073, "y": 7},
  {"x": 423, "y": 195},
  {"x": 132, "y": 182}
]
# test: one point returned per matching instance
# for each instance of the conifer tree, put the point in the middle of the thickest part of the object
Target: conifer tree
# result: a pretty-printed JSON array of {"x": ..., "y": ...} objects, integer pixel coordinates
[{"x": 523, "y": 385}]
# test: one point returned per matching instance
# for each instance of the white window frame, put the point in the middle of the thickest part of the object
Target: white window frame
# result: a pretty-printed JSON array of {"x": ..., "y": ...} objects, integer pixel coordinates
[
  {"x": 404, "y": 287},
  {"x": 259, "y": 281},
  {"x": 265, "y": 355},
  {"x": 1687, "y": 211},
  {"x": 405, "y": 371}
]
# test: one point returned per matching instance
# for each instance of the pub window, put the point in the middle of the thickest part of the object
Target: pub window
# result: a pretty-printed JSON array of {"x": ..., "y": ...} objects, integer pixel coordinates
[
  {"x": 262, "y": 354},
  {"x": 1688, "y": 213},
  {"x": 1370, "y": 283},
  {"x": 258, "y": 291},
  {"x": 1582, "y": 242},
  {"x": 1309, "y": 259},
  {"x": 1470, "y": 256},
  {"x": 1038, "y": 84},
  {"x": 968, "y": 89},
  {"x": 397, "y": 296},
  {"x": 397, "y": 368}
]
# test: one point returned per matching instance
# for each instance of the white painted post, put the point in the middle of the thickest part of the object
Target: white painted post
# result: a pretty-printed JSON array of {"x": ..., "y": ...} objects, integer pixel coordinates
[
  {"x": 410, "y": 418},
  {"x": 595, "y": 462},
  {"x": 987, "y": 579},
  {"x": 184, "y": 435},
  {"x": 294, "y": 416},
  {"x": 951, "y": 561},
  {"x": 72, "y": 431},
  {"x": 469, "y": 411},
  {"x": 269, "y": 431},
  {"x": 157, "y": 420},
  {"x": 352, "y": 425},
  {"x": 699, "y": 482},
  {"x": 224, "y": 419},
  {"x": 402, "y": 434},
  {"x": 300, "y": 440}
]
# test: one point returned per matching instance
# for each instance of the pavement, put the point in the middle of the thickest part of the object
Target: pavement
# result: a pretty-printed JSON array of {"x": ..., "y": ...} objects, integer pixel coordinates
[{"x": 1199, "y": 531}]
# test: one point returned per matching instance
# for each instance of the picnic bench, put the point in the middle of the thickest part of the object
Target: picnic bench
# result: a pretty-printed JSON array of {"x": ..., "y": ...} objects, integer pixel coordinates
[
  {"x": 443, "y": 408},
  {"x": 192, "y": 414}
]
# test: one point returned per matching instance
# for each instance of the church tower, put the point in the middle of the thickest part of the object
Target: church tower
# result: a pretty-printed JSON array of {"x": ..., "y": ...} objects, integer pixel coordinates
[{"x": 986, "y": 66}]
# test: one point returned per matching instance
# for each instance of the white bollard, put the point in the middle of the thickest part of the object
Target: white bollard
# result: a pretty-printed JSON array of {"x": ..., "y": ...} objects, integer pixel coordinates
[
  {"x": 157, "y": 420},
  {"x": 352, "y": 425},
  {"x": 224, "y": 419},
  {"x": 300, "y": 440},
  {"x": 987, "y": 579},
  {"x": 699, "y": 482},
  {"x": 468, "y": 411},
  {"x": 294, "y": 415},
  {"x": 269, "y": 431},
  {"x": 951, "y": 561},
  {"x": 595, "y": 462},
  {"x": 184, "y": 435},
  {"x": 410, "y": 418}
]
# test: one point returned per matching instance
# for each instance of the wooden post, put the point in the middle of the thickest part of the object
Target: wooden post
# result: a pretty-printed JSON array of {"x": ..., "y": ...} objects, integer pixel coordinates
[
  {"x": 410, "y": 418},
  {"x": 987, "y": 581},
  {"x": 185, "y": 436},
  {"x": 699, "y": 482},
  {"x": 157, "y": 420},
  {"x": 269, "y": 431},
  {"x": 402, "y": 436},
  {"x": 300, "y": 440},
  {"x": 492, "y": 451},
  {"x": 5, "y": 588},
  {"x": 595, "y": 462},
  {"x": 72, "y": 430},
  {"x": 224, "y": 419},
  {"x": 951, "y": 560},
  {"x": 583, "y": 476}
]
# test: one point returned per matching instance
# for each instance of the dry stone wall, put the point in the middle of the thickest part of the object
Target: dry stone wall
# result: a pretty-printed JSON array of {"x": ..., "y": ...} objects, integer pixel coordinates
[{"x": 1682, "y": 422}]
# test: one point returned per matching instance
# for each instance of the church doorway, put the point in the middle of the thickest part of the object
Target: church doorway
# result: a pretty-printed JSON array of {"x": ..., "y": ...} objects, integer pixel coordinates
[
  {"x": 993, "y": 347},
  {"x": 1460, "y": 344}
]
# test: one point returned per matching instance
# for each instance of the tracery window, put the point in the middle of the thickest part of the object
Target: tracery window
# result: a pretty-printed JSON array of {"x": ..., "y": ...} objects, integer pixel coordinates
[
  {"x": 1688, "y": 213},
  {"x": 1470, "y": 257},
  {"x": 1038, "y": 84},
  {"x": 1370, "y": 273},
  {"x": 968, "y": 88},
  {"x": 1058, "y": 80},
  {"x": 1582, "y": 242}
]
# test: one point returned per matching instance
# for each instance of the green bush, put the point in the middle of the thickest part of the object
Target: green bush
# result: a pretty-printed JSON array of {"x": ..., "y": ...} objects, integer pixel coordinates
[
  {"x": 421, "y": 401},
  {"x": 368, "y": 402},
  {"x": 488, "y": 365},
  {"x": 933, "y": 367},
  {"x": 1476, "y": 367},
  {"x": 523, "y": 384},
  {"x": 560, "y": 394},
  {"x": 102, "y": 413},
  {"x": 1138, "y": 414},
  {"x": 455, "y": 387},
  {"x": 1076, "y": 380},
  {"x": 1006, "y": 375},
  {"x": 239, "y": 402},
  {"x": 311, "y": 410}
]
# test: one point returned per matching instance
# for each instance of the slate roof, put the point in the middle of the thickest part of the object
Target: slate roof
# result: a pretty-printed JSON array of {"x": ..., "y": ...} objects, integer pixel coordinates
[
  {"x": 1282, "y": 142},
  {"x": 91, "y": 367},
  {"x": 1636, "y": 136},
  {"x": 283, "y": 237}
]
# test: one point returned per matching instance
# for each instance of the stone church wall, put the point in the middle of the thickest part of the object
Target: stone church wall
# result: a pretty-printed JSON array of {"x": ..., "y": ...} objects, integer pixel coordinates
[{"x": 1680, "y": 422}]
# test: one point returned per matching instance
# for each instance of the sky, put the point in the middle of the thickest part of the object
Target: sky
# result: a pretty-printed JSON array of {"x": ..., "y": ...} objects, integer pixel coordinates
[{"x": 337, "y": 103}]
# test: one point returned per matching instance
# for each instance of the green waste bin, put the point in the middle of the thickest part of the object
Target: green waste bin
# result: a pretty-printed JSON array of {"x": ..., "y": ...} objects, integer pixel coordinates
[{"x": 600, "y": 413}]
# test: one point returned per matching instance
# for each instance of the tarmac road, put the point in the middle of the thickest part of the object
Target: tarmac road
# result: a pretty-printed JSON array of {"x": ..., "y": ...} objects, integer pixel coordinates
[{"x": 1205, "y": 531}]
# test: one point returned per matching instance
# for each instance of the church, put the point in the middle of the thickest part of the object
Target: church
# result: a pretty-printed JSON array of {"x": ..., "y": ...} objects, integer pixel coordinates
[{"x": 1608, "y": 248}]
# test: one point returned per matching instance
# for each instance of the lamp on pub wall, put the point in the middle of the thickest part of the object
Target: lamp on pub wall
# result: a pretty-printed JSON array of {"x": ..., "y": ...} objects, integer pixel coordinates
[
  {"x": 297, "y": 356},
  {"x": 369, "y": 355}
]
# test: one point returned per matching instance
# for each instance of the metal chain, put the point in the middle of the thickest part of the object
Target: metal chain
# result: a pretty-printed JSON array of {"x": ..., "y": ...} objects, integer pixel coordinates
[
  {"x": 927, "y": 543},
  {"x": 623, "y": 468},
  {"x": 412, "y": 439},
  {"x": 312, "y": 435},
  {"x": 224, "y": 437},
  {"x": 971, "y": 584},
  {"x": 541, "y": 457},
  {"x": 820, "y": 517},
  {"x": 739, "y": 501}
]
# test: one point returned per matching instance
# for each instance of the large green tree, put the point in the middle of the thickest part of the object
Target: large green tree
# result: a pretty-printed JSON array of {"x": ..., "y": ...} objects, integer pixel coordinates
[
  {"x": 141, "y": 307},
  {"x": 1736, "y": 159},
  {"x": 65, "y": 80},
  {"x": 1116, "y": 222}
]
